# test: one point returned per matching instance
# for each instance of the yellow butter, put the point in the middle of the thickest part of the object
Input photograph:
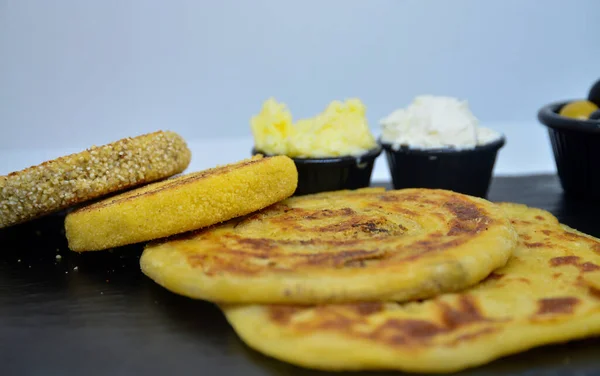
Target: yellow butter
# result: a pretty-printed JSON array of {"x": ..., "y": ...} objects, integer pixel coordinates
[{"x": 341, "y": 130}]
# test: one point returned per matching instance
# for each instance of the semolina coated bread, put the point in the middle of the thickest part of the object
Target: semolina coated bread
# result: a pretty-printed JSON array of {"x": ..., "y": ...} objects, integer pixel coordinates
[
  {"x": 98, "y": 171},
  {"x": 181, "y": 204}
]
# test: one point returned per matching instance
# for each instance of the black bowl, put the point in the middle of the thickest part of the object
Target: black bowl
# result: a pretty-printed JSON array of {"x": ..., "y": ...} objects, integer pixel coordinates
[
  {"x": 332, "y": 174},
  {"x": 467, "y": 171},
  {"x": 576, "y": 147}
]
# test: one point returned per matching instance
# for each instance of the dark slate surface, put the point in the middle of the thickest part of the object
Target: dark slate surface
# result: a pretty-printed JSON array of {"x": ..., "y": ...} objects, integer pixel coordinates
[{"x": 105, "y": 317}]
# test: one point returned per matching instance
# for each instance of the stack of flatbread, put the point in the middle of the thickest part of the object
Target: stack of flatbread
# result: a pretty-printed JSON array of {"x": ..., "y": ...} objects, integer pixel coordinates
[{"x": 414, "y": 280}]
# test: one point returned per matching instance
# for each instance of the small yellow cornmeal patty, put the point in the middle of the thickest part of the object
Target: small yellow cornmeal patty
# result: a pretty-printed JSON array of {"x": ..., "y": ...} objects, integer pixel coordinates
[
  {"x": 181, "y": 204},
  {"x": 63, "y": 182}
]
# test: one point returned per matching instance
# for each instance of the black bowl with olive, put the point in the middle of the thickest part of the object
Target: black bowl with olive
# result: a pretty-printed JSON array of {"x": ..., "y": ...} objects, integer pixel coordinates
[{"x": 574, "y": 132}]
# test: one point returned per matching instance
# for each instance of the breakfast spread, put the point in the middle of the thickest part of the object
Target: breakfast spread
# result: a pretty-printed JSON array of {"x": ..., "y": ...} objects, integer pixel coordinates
[
  {"x": 74, "y": 179},
  {"x": 361, "y": 245},
  {"x": 413, "y": 279},
  {"x": 184, "y": 203},
  {"x": 436, "y": 142},
  {"x": 549, "y": 292},
  {"x": 340, "y": 130},
  {"x": 435, "y": 122}
]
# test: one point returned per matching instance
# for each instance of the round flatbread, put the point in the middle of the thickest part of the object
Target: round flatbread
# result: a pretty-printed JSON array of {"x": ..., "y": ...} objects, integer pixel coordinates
[
  {"x": 339, "y": 246},
  {"x": 67, "y": 181},
  {"x": 181, "y": 204},
  {"x": 549, "y": 292}
]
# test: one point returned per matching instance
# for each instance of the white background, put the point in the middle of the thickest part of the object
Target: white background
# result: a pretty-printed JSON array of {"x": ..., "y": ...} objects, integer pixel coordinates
[{"x": 75, "y": 73}]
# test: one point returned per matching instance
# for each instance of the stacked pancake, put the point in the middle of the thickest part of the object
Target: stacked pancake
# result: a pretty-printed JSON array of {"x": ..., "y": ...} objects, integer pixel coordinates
[{"x": 415, "y": 280}]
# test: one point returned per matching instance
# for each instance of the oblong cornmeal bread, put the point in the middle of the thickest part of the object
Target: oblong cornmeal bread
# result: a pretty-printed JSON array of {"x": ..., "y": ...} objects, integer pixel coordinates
[
  {"x": 182, "y": 204},
  {"x": 64, "y": 182},
  {"x": 339, "y": 246},
  {"x": 549, "y": 292}
]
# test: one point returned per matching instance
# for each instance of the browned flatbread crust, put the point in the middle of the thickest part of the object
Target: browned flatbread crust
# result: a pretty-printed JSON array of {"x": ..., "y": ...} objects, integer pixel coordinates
[
  {"x": 548, "y": 292},
  {"x": 339, "y": 246}
]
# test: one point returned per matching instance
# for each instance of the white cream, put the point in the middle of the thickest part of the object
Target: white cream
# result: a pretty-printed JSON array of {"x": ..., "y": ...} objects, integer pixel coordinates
[{"x": 432, "y": 122}]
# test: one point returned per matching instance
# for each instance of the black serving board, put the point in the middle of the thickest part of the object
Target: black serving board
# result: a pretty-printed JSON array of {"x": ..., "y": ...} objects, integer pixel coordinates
[{"x": 97, "y": 314}]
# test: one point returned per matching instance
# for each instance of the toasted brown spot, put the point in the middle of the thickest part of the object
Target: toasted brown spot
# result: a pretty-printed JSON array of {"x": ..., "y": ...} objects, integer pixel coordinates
[
  {"x": 556, "y": 275},
  {"x": 534, "y": 245},
  {"x": 425, "y": 246},
  {"x": 462, "y": 227},
  {"x": 219, "y": 265},
  {"x": 574, "y": 260},
  {"x": 328, "y": 213},
  {"x": 248, "y": 253},
  {"x": 368, "y": 308},
  {"x": 439, "y": 216},
  {"x": 546, "y": 232},
  {"x": 525, "y": 237},
  {"x": 408, "y": 213},
  {"x": 470, "y": 336},
  {"x": 565, "y": 260},
  {"x": 524, "y": 280},
  {"x": 556, "y": 305},
  {"x": 257, "y": 243},
  {"x": 343, "y": 257},
  {"x": 355, "y": 264},
  {"x": 466, "y": 313},
  {"x": 463, "y": 210},
  {"x": 596, "y": 248},
  {"x": 588, "y": 267},
  {"x": 282, "y": 314},
  {"x": 539, "y": 218},
  {"x": 406, "y": 197},
  {"x": 370, "y": 226},
  {"x": 389, "y": 198},
  {"x": 494, "y": 276},
  {"x": 401, "y": 332},
  {"x": 595, "y": 292},
  {"x": 415, "y": 329}
]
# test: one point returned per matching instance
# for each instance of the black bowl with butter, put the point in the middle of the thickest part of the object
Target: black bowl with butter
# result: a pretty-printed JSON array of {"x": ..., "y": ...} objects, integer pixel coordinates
[
  {"x": 467, "y": 171},
  {"x": 333, "y": 173}
]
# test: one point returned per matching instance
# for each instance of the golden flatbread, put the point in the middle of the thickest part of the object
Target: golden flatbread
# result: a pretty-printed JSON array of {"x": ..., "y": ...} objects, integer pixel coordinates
[
  {"x": 181, "y": 204},
  {"x": 548, "y": 292},
  {"x": 339, "y": 246}
]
